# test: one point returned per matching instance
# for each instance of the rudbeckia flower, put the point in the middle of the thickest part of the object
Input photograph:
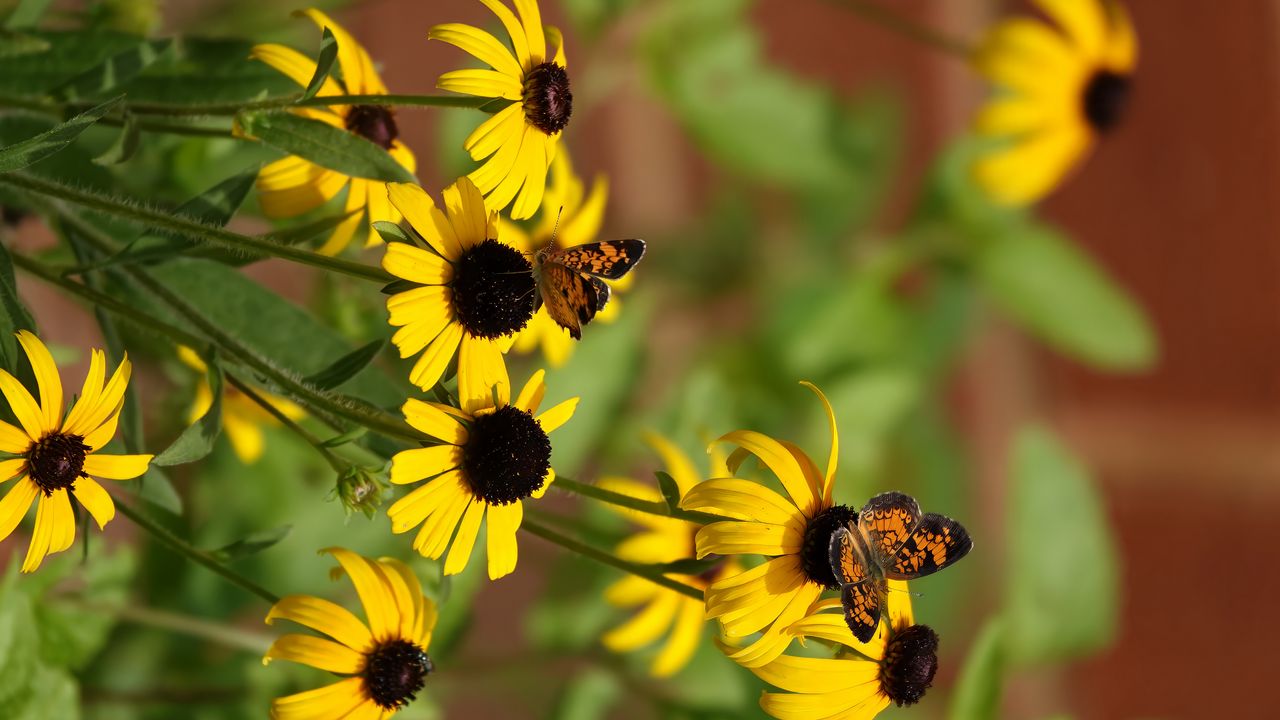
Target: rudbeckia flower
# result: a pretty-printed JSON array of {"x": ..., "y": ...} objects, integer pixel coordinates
[
  {"x": 242, "y": 418},
  {"x": 897, "y": 666},
  {"x": 471, "y": 292},
  {"x": 1060, "y": 89},
  {"x": 518, "y": 143},
  {"x": 579, "y": 217},
  {"x": 489, "y": 461},
  {"x": 293, "y": 186},
  {"x": 58, "y": 457},
  {"x": 384, "y": 662},
  {"x": 667, "y": 616},
  {"x": 793, "y": 531}
]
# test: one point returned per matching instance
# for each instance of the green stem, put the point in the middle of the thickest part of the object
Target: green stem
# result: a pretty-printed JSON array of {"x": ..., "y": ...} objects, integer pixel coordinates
[
  {"x": 281, "y": 102},
  {"x": 533, "y": 527},
  {"x": 201, "y": 557},
  {"x": 651, "y": 507},
  {"x": 174, "y": 622},
  {"x": 191, "y": 229},
  {"x": 338, "y": 464},
  {"x": 894, "y": 22}
]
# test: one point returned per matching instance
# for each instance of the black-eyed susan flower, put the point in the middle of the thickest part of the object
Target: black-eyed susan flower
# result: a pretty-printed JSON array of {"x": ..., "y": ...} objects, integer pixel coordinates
[
  {"x": 667, "y": 616},
  {"x": 472, "y": 291},
  {"x": 793, "y": 532},
  {"x": 53, "y": 457},
  {"x": 517, "y": 144},
  {"x": 489, "y": 461},
  {"x": 242, "y": 418},
  {"x": 897, "y": 665},
  {"x": 384, "y": 662},
  {"x": 571, "y": 216},
  {"x": 1058, "y": 91},
  {"x": 292, "y": 186}
]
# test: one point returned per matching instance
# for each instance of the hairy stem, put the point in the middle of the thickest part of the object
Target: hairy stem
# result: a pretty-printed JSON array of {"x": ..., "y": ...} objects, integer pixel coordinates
[{"x": 651, "y": 507}]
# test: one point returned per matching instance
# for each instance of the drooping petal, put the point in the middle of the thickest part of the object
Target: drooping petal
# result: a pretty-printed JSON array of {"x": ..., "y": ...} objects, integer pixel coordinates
[
  {"x": 677, "y": 464},
  {"x": 409, "y": 511},
  {"x": 331, "y": 702},
  {"x": 748, "y": 538},
  {"x": 417, "y": 464},
  {"x": 1032, "y": 167},
  {"x": 686, "y": 635},
  {"x": 818, "y": 675},
  {"x": 480, "y": 44},
  {"x": 465, "y": 541},
  {"x": 323, "y": 616},
  {"x": 481, "y": 83},
  {"x": 646, "y": 626},
  {"x": 357, "y": 67},
  {"x": 247, "y": 439},
  {"x": 316, "y": 652},
  {"x": 96, "y": 500},
  {"x": 504, "y": 521},
  {"x": 293, "y": 65},
  {"x": 40, "y": 537},
  {"x": 482, "y": 375},
  {"x": 355, "y": 202},
  {"x": 430, "y": 366},
  {"x": 443, "y": 519},
  {"x": 15, "y": 504},
  {"x": 782, "y": 463},
  {"x": 743, "y": 500}
]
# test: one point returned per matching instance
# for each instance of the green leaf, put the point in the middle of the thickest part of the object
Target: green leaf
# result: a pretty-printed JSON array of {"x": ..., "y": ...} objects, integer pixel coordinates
[
  {"x": 324, "y": 145},
  {"x": 157, "y": 489},
  {"x": 1056, "y": 292},
  {"x": 197, "y": 440},
  {"x": 70, "y": 53},
  {"x": 351, "y": 435},
  {"x": 324, "y": 64},
  {"x": 591, "y": 695},
  {"x": 14, "y": 44},
  {"x": 19, "y": 647},
  {"x": 15, "y": 315},
  {"x": 126, "y": 143},
  {"x": 253, "y": 543},
  {"x": 27, "y": 13},
  {"x": 687, "y": 566},
  {"x": 981, "y": 683},
  {"x": 72, "y": 600},
  {"x": 113, "y": 72},
  {"x": 1062, "y": 593},
  {"x": 346, "y": 367},
  {"x": 670, "y": 490},
  {"x": 33, "y": 150},
  {"x": 391, "y": 232}
]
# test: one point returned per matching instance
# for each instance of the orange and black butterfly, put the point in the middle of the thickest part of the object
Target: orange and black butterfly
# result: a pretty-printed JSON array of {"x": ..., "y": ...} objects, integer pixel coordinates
[
  {"x": 890, "y": 540},
  {"x": 571, "y": 280}
]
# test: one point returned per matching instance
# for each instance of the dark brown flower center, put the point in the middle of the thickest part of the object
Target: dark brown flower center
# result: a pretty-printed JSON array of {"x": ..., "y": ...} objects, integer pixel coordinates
[
  {"x": 815, "y": 557},
  {"x": 909, "y": 663},
  {"x": 374, "y": 123},
  {"x": 507, "y": 455},
  {"x": 548, "y": 103},
  {"x": 1106, "y": 96},
  {"x": 57, "y": 461},
  {"x": 493, "y": 290},
  {"x": 394, "y": 672}
]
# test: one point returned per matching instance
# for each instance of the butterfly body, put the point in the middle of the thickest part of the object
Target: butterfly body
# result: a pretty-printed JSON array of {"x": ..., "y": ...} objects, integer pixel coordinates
[
  {"x": 571, "y": 280},
  {"x": 890, "y": 540}
]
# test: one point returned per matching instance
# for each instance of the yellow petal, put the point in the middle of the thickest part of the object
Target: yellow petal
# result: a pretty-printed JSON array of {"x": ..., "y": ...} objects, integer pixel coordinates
[
  {"x": 12, "y": 468},
  {"x": 646, "y": 626},
  {"x": 861, "y": 703},
  {"x": 557, "y": 415},
  {"x": 741, "y": 499},
  {"x": 247, "y": 440},
  {"x": 12, "y": 439},
  {"x": 89, "y": 392},
  {"x": 24, "y": 407},
  {"x": 776, "y": 638},
  {"x": 443, "y": 519},
  {"x": 532, "y": 163},
  {"x": 519, "y": 42},
  {"x": 292, "y": 64},
  {"x": 40, "y": 537},
  {"x": 417, "y": 464},
  {"x": 464, "y": 206},
  {"x": 420, "y": 210},
  {"x": 504, "y": 521},
  {"x": 530, "y": 397},
  {"x": 547, "y": 479},
  {"x": 481, "y": 83},
  {"x": 357, "y": 67},
  {"x": 633, "y": 590},
  {"x": 1082, "y": 20},
  {"x": 410, "y": 510},
  {"x": 15, "y": 504},
  {"x": 325, "y": 703},
  {"x": 482, "y": 374},
  {"x": 778, "y": 459},
  {"x": 379, "y": 605},
  {"x": 531, "y": 19},
  {"x": 465, "y": 541},
  {"x": 106, "y": 405},
  {"x": 357, "y": 199},
  {"x": 427, "y": 371},
  {"x": 416, "y": 265},
  {"x": 428, "y": 305},
  {"x": 1121, "y": 53},
  {"x": 423, "y": 609},
  {"x": 323, "y": 616},
  {"x": 480, "y": 44},
  {"x": 116, "y": 467},
  {"x": 316, "y": 652},
  {"x": 322, "y": 186},
  {"x": 504, "y": 127},
  {"x": 748, "y": 538},
  {"x": 95, "y": 499},
  {"x": 833, "y": 458},
  {"x": 677, "y": 464},
  {"x": 46, "y": 372},
  {"x": 1033, "y": 167},
  {"x": 686, "y": 635},
  {"x": 819, "y": 675},
  {"x": 434, "y": 420}
]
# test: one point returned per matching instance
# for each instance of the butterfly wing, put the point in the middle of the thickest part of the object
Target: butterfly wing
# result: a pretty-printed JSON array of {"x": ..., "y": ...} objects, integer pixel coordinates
[
  {"x": 935, "y": 543},
  {"x": 571, "y": 298},
  {"x": 888, "y": 519},
  {"x": 603, "y": 293},
  {"x": 608, "y": 259},
  {"x": 860, "y": 588}
]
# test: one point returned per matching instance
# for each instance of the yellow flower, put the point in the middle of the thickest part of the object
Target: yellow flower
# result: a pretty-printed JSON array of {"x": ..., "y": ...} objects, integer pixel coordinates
[
  {"x": 473, "y": 292},
  {"x": 242, "y": 418},
  {"x": 489, "y": 461},
  {"x": 293, "y": 186},
  {"x": 1063, "y": 88},
  {"x": 385, "y": 661},
  {"x": 897, "y": 665},
  {"x": 580, "y": 216},
  {"x": 666, "y": 613},
  {"x": 518, "y": 143},
  {"x": 793, "y": 532},
  {"x": 58, "y": 457}
]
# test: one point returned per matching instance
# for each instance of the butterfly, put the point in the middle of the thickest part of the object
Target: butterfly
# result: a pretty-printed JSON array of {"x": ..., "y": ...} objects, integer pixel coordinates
[
  {"x": 571, "y": 280},
  {"x": 890, "y": 540}
]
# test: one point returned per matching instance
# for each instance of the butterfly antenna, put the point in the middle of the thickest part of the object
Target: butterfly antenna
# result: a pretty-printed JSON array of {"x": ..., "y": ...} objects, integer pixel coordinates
[{"x": 912, "y": 593}]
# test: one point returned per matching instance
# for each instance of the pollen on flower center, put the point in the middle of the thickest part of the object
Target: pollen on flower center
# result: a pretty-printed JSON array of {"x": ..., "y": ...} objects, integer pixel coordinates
[
  {"x": 1105, "y": 98},
  {"x": 493, "y": 290},
  {"x": 910, "y": 661},
  {"x": 507, "y": 456},
  {"x": 374, "y": 123},
  {"x": 394, "y": 672},
  {"x": 548, "y": 103},
  {"x": 814, "y": 553},
  {"x": 57, "y": 461}
]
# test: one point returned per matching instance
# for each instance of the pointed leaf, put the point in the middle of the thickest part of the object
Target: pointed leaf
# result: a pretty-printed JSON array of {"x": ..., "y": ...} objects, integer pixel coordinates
[
  {"x": 391, "y": 232},
  {"x": 33, "y": 150},
  {"x": 324, "y": 145},
  {"x": 14, "y": 316},
  {"x": 27, "y": 13},
  {"x": 670, "y": 490},
  {"x": 125, "y": 146},
  {"x": 346, "y": 367},
  {"x": 197, "y": 440},
  {"x": 114, "y": 71},
  {"x": 324, "y": 64},
  {"x": 981, "y": 683},
  {"x": 253, "y": 543}
]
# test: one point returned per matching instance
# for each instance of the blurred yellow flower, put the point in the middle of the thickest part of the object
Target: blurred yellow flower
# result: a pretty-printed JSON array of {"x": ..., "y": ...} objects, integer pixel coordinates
[
  {"x": 293, "y": 186},
  {"x": 471, "y": 292},
  {"x": 666, "y": 613},
  {"x": 242, "y": 418},
  {"x": 897, "y": 665},
  {"x": 54, "y": 457},
  {"x": 385, "y": 661},
  {"x": 1059, "y": 90},
  {"x": 795, "y": 533},
  {"x": 489, "y": 461},
  {"x": 518, "y": 143},
  {"x": 579, "y": 216}
]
